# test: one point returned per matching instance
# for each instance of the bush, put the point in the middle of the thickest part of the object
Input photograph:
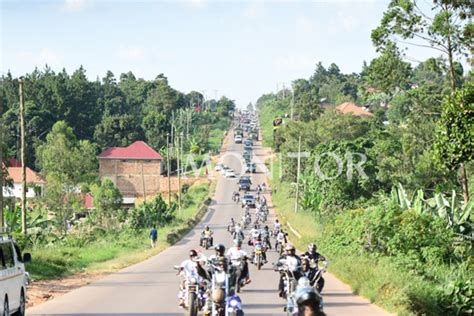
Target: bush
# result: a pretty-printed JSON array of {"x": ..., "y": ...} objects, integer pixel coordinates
[{"x": 156, "y": 212}]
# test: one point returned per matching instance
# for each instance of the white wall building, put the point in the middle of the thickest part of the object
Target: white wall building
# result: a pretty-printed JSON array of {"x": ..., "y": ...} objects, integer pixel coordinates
[{"x": 35, "y": 184}]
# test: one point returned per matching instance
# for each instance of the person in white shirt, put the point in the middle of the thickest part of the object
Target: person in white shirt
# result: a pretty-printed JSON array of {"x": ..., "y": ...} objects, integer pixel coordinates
[
  {"x": 254, "y": 233},
  {"x": 236, "y": 255},
  {"x": 191, "y": 268}
]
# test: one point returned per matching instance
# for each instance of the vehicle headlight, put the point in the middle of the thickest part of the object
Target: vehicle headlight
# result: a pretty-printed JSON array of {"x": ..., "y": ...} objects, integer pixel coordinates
[
  {"x": 234, "y": 303},
  {"x": 193, "y": 280},
  {"x": 220, "y": 277},
  {"x": 303, "y": 282}
]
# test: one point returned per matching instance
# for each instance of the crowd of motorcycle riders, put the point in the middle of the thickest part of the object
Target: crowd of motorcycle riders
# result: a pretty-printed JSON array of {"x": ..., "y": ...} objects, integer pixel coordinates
[{"x": 300, "y": 282}]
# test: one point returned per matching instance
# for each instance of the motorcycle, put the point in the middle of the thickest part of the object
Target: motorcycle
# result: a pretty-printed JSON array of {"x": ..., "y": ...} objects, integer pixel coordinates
[
  {"x": 289, "y": 285},
  {"x": 223, "y": 304},
  {"x": 316, "y": 279},
  {"x": 258, "y": 255},
  {"x": 206, "y": 242},
  {"x": 236, "y": 270},
  {"x": 307, "y": 300},
  {"x": 231, "y": 228},
  {"x": 247, "y": 220},
  {"x": 194, "y": 294}
]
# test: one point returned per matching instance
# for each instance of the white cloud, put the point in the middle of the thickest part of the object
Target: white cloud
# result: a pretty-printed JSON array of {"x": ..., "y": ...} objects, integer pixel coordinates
[
  {"x": 41, "y": 58},
  {"x": 197, "y": 3},
  {"x": 75, "y": 5},
  {"x": 132, "y": 53},
  {"x": 294, "y": 62}
]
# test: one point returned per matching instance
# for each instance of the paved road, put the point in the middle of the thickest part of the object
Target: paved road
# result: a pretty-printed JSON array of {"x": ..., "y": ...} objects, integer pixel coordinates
[{"x": 150, "y": 287}]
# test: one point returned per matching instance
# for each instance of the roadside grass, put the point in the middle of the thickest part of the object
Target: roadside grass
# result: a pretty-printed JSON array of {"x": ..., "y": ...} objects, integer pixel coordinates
[
  {"x": 376, "y": 278},
  {"x": 266, "y": 117},
  {"x": 113, "y": 250}
]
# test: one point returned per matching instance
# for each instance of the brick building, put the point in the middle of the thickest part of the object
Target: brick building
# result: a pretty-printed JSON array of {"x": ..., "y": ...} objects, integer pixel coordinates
[{"x": 135, "y": 170}]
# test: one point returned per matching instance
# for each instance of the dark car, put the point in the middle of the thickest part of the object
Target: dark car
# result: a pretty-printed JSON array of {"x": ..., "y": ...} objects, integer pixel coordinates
[
  {"x": 249, "y": 200},
  {"x": 244, "y": 184}
]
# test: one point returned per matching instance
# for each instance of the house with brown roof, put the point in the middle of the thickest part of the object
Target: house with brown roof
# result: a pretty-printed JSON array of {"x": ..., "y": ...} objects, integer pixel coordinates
[
  {"x": 135, "y": 170},
  {"x": 348, "y": 107},
  {"x": 34, "y": 183}
]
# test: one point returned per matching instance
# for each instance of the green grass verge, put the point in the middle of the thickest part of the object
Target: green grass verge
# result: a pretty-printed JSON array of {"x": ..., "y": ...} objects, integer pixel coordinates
[
  {"x": 377, "y": 278},
  {"x": 110, "y": 251}
]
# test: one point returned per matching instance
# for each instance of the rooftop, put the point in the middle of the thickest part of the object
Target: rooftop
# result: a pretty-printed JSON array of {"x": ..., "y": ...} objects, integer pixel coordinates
[{"x": 137, "y": 150}]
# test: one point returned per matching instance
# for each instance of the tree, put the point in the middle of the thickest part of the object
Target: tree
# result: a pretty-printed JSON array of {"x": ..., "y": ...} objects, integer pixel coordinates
[
  {"x": 446, "y": 27},
  {"x": 455, "y": 133},
  {"x": 62, "y": 154},
  {"x": 388, "y": 72},
  {"x": 107, "y": 203}
]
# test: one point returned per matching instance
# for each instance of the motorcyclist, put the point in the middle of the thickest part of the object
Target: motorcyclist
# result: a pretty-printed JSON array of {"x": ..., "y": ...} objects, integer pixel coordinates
[
  {"x": 314, "y": 257},
  {"x": 235, "y": 254},
  {"x": 238, "y": 233},
  {"x": 218, "y": 258},
  {"x": 191, "y": 268},
  {"x": 207, "y": 233},
  {"x": 293, "y": 262},
  {"x": 280, "y": 239},
  {"x": 258, "y": 241},
  {"x": 276, "y": 227},
  {"x": 254, "y": 233},
  {"x": 236, "y": 196},
  {"x": 266, "y": 237},
  {"x": 231, "y": 226}
]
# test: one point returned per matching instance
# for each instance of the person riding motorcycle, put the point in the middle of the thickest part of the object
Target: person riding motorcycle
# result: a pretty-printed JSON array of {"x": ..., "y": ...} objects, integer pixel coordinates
[
  {"x": 206, "y": 233},
  {"x": 276, "y": 227},
  {"x": 231, "y": 226},
  {"x": 218, "y": 258},
  {"x": 280, "y": 239},
  {"x": 238, "y": 232},
  {"x": 237, "y": 253},
  {"x": 314, "y": 257},
  {"x": 191, "y": 268},
  {"x": 236, "y": 196},
  {"x": 259, "y": 241},
  {"x": 266, "y": 237},
  {"x": 254, "y": 233},
  {"x": 293, "y": 262}
]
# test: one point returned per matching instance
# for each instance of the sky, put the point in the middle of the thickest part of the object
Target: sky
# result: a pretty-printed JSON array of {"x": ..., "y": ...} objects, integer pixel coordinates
[{"x": 240, "y": 49}]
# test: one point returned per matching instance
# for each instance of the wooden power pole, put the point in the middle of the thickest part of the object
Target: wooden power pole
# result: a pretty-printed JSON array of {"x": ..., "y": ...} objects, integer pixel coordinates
[
  {"x": 298, "y": 176},
  {"x": 23, "y": 159},
  {"x": 168, "y": 166}
]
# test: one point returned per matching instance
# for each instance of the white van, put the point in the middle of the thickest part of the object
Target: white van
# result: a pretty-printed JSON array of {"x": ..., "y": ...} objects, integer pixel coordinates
[{"x": 13, "y": 278}]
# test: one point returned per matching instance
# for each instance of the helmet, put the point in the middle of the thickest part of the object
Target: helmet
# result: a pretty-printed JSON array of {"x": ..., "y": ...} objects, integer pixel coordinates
[
  {"x": 266, "y": 227},
  {"x": 290, "y": 247},
  {"x": 312, "y": 248},
  {"x": 238, "y": 242},
  {"x": 220, "y": 249},
  {"x": 193, "y": 253},
  {"x": 255, "y": 226},
  {"x": 207, "y": 227},
  {"x": 307, "y": 297}
]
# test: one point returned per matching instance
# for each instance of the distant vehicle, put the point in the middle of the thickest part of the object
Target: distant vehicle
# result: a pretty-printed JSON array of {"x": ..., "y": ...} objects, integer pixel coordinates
[
  {"x": 13, "y": 277},
  {"x": 249, "y": 200},
  {"x": 248, "y": 148},
  {"x": 251, "y": 168},
  {"x": 247, "y": 154},
  {"x": 219, "y": 167},
  {"x": 248, "y": 142},
  {"x": 229, "y": 173},
  {"x": 244, "y": 184},
  {"x": 238, "y": 139},
  {"x": 224, "y": 169}
]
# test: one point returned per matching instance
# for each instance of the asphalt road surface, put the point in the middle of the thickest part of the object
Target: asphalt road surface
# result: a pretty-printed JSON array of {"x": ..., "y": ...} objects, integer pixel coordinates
[{"x": 151, "y": 287}]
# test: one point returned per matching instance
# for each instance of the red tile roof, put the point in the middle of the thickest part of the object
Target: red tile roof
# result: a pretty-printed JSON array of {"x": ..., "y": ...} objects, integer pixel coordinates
[
  {"x": 14, "y": 173},
  {"x": 137, "y": 150},
  {"x": 348, "y": 107}
]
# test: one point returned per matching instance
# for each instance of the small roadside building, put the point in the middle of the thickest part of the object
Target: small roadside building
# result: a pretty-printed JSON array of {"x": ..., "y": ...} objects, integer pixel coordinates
[
  {"x": 34, "y": 182},
  {"x": 135, "y": 170}
]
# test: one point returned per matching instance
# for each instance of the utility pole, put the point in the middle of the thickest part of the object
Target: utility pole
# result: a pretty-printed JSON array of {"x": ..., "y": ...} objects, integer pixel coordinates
[
  {"x": 298, "y": 175},
  {"x": 179, "y": 173},
  {"x": 292, "y": 103},
  {"x": 168, "y": 167},
  {"x": 143, "y": 184},
  {"x": 23, "y": 159},
  {"x": 2, "y": 221}
]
